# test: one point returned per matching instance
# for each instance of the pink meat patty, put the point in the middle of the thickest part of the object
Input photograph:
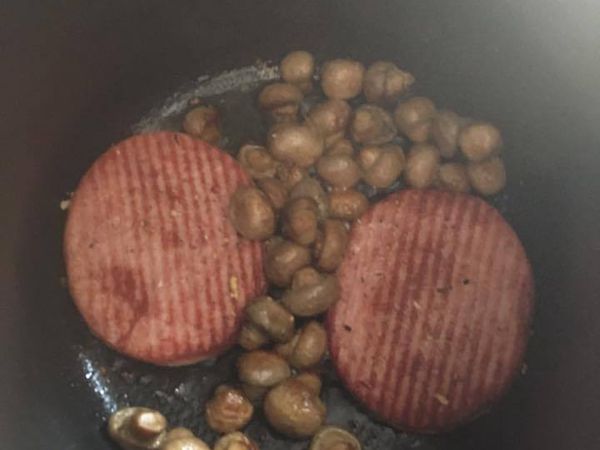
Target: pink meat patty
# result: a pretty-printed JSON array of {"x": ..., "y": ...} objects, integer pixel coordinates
[
  {"x": 154, "y": 266},
  {"x": 434, "y": 311}
]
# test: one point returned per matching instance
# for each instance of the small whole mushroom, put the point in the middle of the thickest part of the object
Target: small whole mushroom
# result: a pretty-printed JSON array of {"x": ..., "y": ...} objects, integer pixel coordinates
[
  {"x": 271, "y": 318},
  {"x": 290, "y": 175},
  {"x": 444, "y": 131},
  {"x": 347, "y": 205},
  {"x": 281, "y": 101},
  {"x": 312, "y": 299},
  {"x": 274, "y": 190},
  {"x": 203, "y": 122},
  {"x": 235, "y": 441},
  {"x": 340, "y": 171},
  {"x": 298, "y": 68},
  {"x": 251, "y": 214},
  {"x": 334, "y": 438},
  {"x": 330, "y": 120},
  {"x": 311, "y": 188},
  {"x": 300, "y": 220},
  {"x": 341, "y": 147},
  {"x": 306, "y": 348},
  {"x": 381, "y": 165},
  {"x": 422, "y": 165},
  {"x": 292, "y": 408},
  {"x": 414, "y": 118},
  {"x": 257, "y": 161},
  {"x": 185, "y": 443},
  {"x": 296, "y": 144},
  {"x": 311, "y": 380},
  {"x": 372, "y": 125},
  {"x": 479, "y": 141},
  {"x": 487, "y": 177},
  {"x": 181, "y": 438},
  {"x": 330, "y": 245},
  {"x": 342, "y": 78},
  {"x": 262, "y": 368},
  {"x": 137, "y": 428},
  {"x": 283, "y": 260},
  {"x": 384, "y": 82},
  {"x": 305, "y": 276},
  {"x": 228, "y": 410},
  {"x": 453, "y": 177},
  {"x": 251, "y": 337},
  {"x": 178, "y": 433}
]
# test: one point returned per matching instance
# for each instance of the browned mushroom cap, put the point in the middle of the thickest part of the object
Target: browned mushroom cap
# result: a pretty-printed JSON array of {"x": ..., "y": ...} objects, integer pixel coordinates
[
  {"x": 257, "y": 161},
  {"x": 306, "y": 348},
  {"x": 311, "y": 188},
  {"x": 283, "y": 260},
  {"x": 290, "y": 175},
  {"x": 272, "y": 242},
  {"x": 251, "y": 214},
  {"x": 342, "y": 78},
  {"x": 334, "y": 438},
  {"x": 487, "y": 177},
  {"x": 281, "y": 101},
  {"x": 137, "y": 428},
  {"x": 286, "y": 349},
  {"x": 228, "y": 410},
  {"x": 274, "y": 190},
  {"x": 330, "y": 119},
  {"x": 330, "y": 245},
  {"x": 295, "y": 144},
  {"x": 385, "y": 83},
  {"x": 298, "y": 68},
  {"x": 372, "y": 125},
  {"x": 414, "y": 118},
  {"x": 300, "y": 220},
  {"x": 235, "y": 441},
  {"x": 203, "y": 122},
  {"x": 261, "y": 368},
  {"x": 310, "y": 380},
  {"x": 422, "y": 166},
  {"x": 347, "y": 205},
  {"x": 148, "y": 424},
  {"x": 479, "y": 141},
  {"x": 294, "y": 410},
  {"x": 341, "y": 147},
  {"x": 338, "y": 170},
  {"x": 185, "y": 443},
  {"x": 272, "y": 318},
  {"x": 251, "y": 337},
  {"x": 305, "y": 276},
  {"x": 444, "y": 132},
  {"x": 453, "y": 177},
  {"x": 381, "y": 165},
  {"x": 178, "y": 433},
  {"x": 314, "y": 299}
]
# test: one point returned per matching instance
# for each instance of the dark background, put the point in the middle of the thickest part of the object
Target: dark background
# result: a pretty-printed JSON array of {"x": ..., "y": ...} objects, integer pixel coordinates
[{"x": 74, "y": 76}]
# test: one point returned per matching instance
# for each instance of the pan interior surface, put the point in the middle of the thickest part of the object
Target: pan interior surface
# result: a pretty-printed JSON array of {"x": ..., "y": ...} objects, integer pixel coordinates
[{"x": 82, "y": 76}]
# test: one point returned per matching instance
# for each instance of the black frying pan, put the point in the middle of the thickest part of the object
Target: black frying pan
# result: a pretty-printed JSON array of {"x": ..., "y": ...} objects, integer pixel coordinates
[{"x": 77, "y": 75}]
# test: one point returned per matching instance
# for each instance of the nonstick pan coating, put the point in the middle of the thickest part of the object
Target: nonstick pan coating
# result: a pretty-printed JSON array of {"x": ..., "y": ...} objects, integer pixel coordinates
[{"x": 77, "y": 75}]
